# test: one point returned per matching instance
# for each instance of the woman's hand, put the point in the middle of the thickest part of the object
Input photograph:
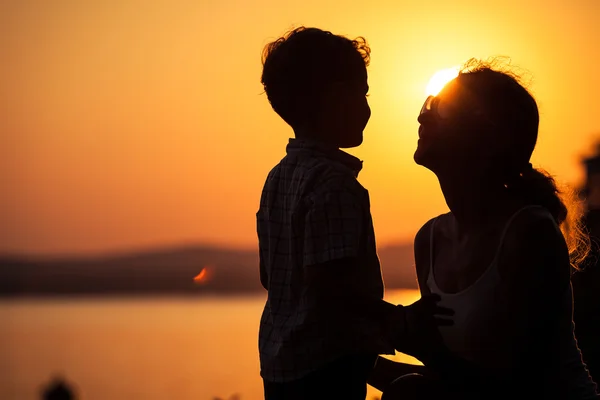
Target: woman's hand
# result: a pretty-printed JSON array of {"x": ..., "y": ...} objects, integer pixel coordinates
[{"x": 421, "y": 337}]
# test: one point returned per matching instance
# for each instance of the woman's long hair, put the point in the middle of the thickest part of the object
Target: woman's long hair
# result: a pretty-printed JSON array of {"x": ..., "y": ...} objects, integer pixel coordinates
[{"x": 515, "y": 113}]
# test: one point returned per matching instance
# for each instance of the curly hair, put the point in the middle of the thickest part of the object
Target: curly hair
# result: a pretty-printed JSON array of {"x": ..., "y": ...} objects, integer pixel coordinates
[{"x": 298, "y": 66}]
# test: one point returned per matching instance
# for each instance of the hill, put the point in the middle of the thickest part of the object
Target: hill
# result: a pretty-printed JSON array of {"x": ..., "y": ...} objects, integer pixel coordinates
[{"x": 167, "y": 271}]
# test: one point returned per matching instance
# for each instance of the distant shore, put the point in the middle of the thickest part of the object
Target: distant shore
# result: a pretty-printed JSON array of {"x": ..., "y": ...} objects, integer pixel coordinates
[{"x": 187, "y": 271}]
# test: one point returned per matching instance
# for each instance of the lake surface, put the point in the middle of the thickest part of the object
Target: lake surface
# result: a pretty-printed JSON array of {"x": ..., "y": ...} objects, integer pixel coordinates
[{"x": 140, "y": 348}]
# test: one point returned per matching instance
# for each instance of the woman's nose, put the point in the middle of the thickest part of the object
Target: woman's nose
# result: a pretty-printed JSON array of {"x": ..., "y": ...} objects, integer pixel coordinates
[{"x": 426, "y": 117}]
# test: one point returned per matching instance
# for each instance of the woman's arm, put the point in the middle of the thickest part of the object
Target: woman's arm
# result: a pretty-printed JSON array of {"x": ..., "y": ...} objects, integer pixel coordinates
[
  {"x": 385, "y": 370},
  {"x": 426, "y": 342},
  {"x": 535, "y": 270},
  {"x": 430, "y": 343},
  {"x": 422, "y": 247}
]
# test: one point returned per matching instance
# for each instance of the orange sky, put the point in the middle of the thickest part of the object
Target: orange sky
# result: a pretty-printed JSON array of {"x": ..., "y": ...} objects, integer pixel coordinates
[{"x": 139, "y": 123}]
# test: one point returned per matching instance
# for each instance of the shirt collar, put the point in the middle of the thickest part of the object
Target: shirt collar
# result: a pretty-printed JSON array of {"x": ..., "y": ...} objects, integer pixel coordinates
[{"x": 331, "y": 152}]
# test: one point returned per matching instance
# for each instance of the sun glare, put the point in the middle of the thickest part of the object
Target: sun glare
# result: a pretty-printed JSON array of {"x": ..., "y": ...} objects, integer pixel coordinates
[{"x": 440, "y": 79}]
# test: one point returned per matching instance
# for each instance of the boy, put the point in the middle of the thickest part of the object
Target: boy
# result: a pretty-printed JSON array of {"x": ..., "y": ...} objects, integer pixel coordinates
[{"x": 324, "y": 321}]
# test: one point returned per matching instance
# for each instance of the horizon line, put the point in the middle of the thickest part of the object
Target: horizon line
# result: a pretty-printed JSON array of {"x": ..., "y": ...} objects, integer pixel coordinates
[{"x": 145, "y": 249}]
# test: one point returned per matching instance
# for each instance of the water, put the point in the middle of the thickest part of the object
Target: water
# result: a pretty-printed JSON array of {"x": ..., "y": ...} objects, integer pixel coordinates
[{"x": 155, "y": 348}]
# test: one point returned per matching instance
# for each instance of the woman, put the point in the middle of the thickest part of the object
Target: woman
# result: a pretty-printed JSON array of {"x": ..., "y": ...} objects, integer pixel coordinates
[{"x": 501, "y": 258}]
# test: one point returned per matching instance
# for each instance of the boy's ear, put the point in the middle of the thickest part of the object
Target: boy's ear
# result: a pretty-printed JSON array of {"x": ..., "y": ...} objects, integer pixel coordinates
[
  {"x": 332, "y": 92},
  {"x": 337, "y": 87}
]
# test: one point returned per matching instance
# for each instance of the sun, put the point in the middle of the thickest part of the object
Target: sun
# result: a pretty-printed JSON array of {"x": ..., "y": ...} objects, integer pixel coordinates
[{"x": 440, "y": 79}]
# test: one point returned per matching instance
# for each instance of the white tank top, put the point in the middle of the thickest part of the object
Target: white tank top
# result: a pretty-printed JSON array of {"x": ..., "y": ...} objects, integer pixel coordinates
[{"x": 480, "y": 320}]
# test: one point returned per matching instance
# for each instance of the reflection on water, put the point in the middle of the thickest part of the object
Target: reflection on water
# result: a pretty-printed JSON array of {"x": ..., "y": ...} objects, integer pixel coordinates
[{"x": 194, "y": 348}]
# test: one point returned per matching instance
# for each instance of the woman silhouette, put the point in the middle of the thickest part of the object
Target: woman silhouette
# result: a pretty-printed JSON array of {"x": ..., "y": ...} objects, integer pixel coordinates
[{"x": 502, "y": 257}]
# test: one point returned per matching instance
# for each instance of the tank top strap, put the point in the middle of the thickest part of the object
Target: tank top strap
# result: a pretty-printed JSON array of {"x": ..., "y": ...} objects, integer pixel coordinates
[{"x": 431, "y": 236}]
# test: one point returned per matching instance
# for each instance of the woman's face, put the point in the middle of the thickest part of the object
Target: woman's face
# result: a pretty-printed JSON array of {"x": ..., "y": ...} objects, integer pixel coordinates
[{"x": 453, "y": 130}]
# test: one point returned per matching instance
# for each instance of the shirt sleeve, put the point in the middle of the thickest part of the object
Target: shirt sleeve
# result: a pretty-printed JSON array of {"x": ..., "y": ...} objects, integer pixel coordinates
[{"x": 334, "y": 224}]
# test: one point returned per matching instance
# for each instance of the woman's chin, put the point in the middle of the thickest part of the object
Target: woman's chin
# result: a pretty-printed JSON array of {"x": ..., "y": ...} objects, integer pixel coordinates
[{"x": 420, "y": 155}]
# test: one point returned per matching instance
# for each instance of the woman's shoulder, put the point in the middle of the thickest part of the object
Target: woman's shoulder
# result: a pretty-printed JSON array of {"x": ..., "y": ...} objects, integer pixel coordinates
[
  {"x": 432, "y": 226},
  {"x": 422, "y": 245},
  {"x": 530, "y": 224},
  {"x": 532, "y": 244}
]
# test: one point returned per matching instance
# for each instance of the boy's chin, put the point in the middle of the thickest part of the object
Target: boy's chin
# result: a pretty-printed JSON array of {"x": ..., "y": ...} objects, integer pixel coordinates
[{"x": 351, "y": 141}]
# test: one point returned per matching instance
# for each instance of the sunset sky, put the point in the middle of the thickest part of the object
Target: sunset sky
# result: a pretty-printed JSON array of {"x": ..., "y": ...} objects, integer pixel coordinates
[{"x": 129, "y": 124}]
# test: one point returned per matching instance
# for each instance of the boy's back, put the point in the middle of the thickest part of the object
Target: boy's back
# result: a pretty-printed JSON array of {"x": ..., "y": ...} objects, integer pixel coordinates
[{"x": 313, "y": 210}]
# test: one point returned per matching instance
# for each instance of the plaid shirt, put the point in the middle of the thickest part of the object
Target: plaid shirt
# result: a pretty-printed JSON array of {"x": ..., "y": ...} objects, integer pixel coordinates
[{"x": 313, "y": 210}]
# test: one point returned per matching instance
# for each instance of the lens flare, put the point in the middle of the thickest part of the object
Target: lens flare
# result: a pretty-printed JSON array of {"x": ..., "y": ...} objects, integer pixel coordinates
[{"x": 440, "y": 79}]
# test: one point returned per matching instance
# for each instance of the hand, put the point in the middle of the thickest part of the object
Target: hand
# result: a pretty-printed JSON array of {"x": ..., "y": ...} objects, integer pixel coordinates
[
  {"x": 425, "y": 314},
  {"x": 422, "y": 319}
]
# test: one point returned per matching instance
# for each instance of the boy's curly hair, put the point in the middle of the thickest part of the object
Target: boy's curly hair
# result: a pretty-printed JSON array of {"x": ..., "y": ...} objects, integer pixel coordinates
[{"x": 298, "y": 66}]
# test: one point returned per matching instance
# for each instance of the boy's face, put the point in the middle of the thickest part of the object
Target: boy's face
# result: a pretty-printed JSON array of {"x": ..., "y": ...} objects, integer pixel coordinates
[{"x": 345, "y": 111}]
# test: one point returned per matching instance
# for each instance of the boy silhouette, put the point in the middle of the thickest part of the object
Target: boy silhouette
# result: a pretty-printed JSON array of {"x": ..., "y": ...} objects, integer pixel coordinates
[{"x": 324, "y": 321}]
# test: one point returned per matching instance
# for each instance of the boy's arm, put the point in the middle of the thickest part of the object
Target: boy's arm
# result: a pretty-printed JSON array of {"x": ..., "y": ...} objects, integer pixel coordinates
[
  {"x": 264, "y": 279},
  {"x": 335, "y": 227},
  {"x": 333, "y": 286}
]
